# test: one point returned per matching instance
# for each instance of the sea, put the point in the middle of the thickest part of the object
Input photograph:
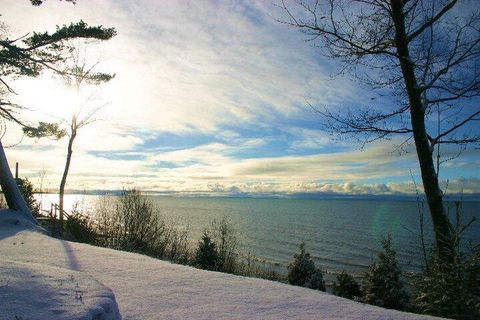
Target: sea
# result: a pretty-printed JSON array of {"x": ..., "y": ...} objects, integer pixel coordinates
[{"x": 339, "y": 233}]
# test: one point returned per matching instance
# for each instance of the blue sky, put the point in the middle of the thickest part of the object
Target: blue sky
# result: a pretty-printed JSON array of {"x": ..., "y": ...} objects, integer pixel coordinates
[{"x": 209, "y": 97}]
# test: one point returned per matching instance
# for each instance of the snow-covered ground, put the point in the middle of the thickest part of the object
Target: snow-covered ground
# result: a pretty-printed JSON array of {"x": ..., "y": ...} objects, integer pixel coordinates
[{"x": 43, "y": 273}]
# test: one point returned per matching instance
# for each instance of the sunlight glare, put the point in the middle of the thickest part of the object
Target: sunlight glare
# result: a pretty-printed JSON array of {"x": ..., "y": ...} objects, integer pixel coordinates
[{"x": 54, "y": 100}]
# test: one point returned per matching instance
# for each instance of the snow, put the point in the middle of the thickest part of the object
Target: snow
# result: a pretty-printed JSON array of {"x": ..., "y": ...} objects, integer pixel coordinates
[
  {"x": 37, "y": 291},
  {"x": 146, "y": 288}
]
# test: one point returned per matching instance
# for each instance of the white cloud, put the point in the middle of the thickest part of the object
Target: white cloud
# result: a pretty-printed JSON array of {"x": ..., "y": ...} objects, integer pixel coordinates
[
  {"x": 309, "y": 139},
  {"x": 192, "y": 66}
]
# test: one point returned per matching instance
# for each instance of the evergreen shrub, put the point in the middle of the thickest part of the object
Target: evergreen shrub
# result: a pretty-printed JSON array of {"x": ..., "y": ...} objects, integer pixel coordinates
[{"x": 302, "y": 271}]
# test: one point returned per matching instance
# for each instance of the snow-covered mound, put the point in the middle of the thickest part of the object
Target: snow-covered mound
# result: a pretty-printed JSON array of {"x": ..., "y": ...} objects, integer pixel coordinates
[
  {"x": 147, "y": 288},
  {"x": 36, "y": 291}
]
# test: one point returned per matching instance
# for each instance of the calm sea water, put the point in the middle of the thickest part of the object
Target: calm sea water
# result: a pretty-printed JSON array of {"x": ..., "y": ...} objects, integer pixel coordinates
[{"x": 340, "y": 234}]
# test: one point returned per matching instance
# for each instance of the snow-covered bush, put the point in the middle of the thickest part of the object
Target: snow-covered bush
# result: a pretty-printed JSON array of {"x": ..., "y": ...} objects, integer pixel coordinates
[
  {"x": 451, "y": 289},
  {"x": 206, "y": 255},
  {"x": 382, "y": 284},
  {"x": 346, "y": 286},
  {"x": 302, "y": 271}
]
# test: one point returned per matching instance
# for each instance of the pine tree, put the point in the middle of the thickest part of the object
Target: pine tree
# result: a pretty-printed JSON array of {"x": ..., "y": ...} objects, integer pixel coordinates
[
  {"x": 206, "y": 256},
  {"x": 382, "y": 285},
  {"x": 451, "y": 289},
  {"x": 302, "y": 271}
]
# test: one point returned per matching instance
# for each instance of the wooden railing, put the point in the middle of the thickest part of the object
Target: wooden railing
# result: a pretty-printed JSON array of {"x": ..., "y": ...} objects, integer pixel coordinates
[{"x": 53, "y": 214}]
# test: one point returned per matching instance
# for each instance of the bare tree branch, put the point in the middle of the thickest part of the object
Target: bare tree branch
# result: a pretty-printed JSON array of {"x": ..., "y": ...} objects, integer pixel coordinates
[
  {"x": 455, "y": 127},
  {"x": 429, "y": 23}
]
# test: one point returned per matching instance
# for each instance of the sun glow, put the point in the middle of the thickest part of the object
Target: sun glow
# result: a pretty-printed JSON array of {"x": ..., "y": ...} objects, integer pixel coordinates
[{"x": 54, "y": 100}]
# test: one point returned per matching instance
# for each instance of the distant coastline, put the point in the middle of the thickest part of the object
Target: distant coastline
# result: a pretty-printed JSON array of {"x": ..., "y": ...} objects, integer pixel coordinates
[{"x": 307, "y": 195}]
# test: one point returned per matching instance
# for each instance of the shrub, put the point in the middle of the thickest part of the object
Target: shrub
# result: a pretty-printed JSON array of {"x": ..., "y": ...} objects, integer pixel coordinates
[
  {"x": 206, "y": 256},
  {"x": 139, "y": 225},
  {"x": 79, "y": 227},
  {"x": 451, "y": 289},
  {"x": 346, "y": 286},
  {"x": 302, "y": 271},
  {"x": 173, "y": 244},
  {"x": 382, "y": 285},
  {"x": 106, "y": 222},
  {"x": 224, "y": 235},
  {"x": 249, "y": 265},
  {"x": 132, "y": 223}
]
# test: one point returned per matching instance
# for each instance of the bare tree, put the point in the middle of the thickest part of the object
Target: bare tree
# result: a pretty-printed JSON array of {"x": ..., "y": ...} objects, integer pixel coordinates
[
  {"x": 77, "y": 122},
  {"x": 425, "y": 54},
  {"x": 80, "y": 73}
]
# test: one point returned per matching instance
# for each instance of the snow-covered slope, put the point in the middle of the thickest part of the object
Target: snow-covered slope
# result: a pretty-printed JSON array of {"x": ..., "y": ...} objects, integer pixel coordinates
[{"x": 147, "y": 288}]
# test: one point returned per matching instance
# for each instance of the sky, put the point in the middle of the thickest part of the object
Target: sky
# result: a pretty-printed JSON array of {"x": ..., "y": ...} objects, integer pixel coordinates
[{"x": 209, "y": 97}]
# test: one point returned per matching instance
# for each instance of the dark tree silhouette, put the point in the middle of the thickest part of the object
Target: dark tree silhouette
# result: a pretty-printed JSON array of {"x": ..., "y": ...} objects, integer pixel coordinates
[
  {"x": 30, "y": 55},
  {"x": 206, "y": 255},
  {"x": 426, "y": 55}
]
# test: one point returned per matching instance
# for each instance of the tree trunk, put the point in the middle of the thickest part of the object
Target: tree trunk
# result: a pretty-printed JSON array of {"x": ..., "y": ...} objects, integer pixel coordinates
[
  {"x": 431, "y": 187},
  {"x": 65, "y": 171},
  {"x": 10, "y": 189}
]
